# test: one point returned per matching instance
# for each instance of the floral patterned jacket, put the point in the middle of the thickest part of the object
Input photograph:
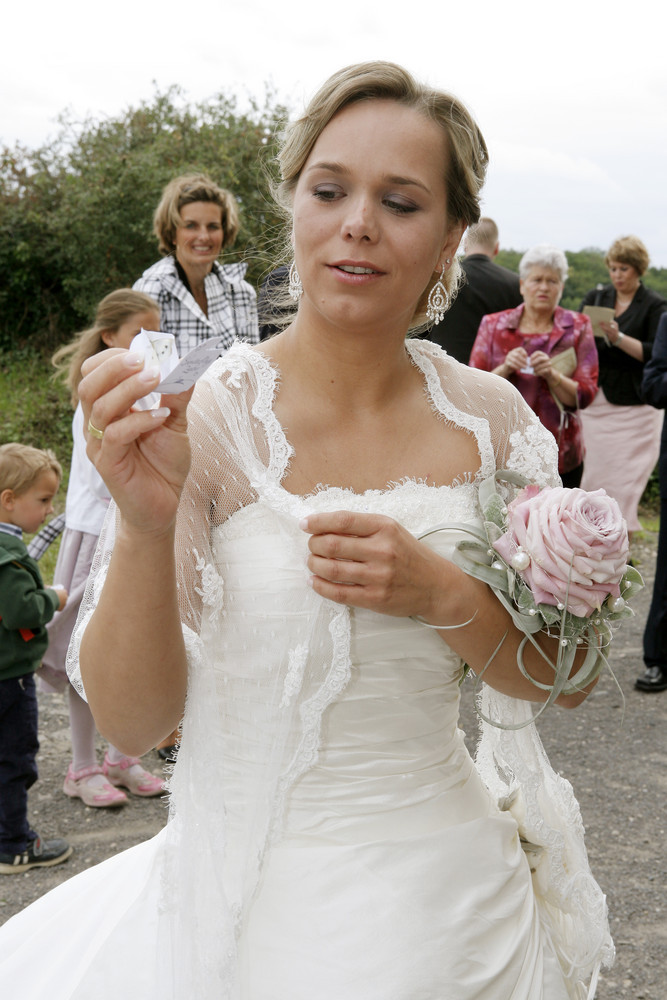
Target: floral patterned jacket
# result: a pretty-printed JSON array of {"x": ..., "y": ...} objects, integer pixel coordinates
[{"x": 499, "y": 333}]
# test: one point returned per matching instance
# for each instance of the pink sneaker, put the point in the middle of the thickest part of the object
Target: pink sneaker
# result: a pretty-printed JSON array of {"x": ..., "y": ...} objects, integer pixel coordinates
[
  {"x": 129, "y": 773},
  {"x": 90, "y": 785}
]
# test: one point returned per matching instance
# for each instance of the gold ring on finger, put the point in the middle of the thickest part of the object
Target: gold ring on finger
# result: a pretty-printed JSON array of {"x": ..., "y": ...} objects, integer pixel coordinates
[{"x": 95, "y": 431}]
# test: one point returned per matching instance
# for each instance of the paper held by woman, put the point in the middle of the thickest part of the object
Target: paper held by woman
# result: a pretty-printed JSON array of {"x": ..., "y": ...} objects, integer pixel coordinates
[{"x": 598, "y": 315}]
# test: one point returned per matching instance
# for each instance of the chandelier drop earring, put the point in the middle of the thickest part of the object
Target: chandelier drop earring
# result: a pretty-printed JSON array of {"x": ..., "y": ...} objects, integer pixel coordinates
[
  {"x": 438, "y": 299},
  {"x": 295, "y": 287}
]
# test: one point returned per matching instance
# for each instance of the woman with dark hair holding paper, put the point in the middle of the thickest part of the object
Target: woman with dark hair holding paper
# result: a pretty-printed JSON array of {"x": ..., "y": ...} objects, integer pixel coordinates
[
  {"x": 547, "y": 352},
  {"x": 621, "y": 433}
]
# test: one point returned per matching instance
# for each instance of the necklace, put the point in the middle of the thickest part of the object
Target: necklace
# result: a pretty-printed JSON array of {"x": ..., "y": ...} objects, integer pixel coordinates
[{"x": 622, "y": 302}]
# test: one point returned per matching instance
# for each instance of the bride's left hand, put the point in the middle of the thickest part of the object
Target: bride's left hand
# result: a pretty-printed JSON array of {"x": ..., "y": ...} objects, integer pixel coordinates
[{"x": 371, "y": 561}]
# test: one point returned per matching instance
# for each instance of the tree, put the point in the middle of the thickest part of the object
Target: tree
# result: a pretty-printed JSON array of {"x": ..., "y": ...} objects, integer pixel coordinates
[
  {"x": 31, "y": 292},
  {"x": 77, "y": 214}
]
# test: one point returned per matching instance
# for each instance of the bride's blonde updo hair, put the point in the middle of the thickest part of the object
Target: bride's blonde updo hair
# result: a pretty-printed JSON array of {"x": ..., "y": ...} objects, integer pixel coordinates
[{"x": 466, "y": 165}]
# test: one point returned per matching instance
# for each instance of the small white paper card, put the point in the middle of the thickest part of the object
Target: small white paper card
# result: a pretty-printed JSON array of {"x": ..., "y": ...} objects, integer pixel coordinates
[
  {"x": 159, "y": 350},
  {"x": 192, "y": 366},
  {"x": 177, "y": 376}
]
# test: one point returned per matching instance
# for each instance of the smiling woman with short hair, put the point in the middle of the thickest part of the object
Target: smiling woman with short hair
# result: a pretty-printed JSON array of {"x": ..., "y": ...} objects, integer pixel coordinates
[
  {"x": 618, "y": 423},
  {"x": 198, "y": 297}
]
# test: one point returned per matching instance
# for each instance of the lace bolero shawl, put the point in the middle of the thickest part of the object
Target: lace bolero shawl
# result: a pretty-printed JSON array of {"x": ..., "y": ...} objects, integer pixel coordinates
[{"x": 240, "y": 455}]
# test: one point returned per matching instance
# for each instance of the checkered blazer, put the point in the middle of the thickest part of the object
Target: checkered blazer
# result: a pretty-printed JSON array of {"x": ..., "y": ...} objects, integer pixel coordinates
[
  {"x": 46, "y": 536},
  {"x": 232, "y": 304}
]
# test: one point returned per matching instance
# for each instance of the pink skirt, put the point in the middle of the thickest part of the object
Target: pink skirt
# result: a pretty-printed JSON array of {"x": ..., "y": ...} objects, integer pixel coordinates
[
  {"x": 622, "y": 449},
  {"x": 75, "y": 557}
]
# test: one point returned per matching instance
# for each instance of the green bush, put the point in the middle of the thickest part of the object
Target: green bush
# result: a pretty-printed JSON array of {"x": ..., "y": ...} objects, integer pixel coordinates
[{"x": 35, "y": 409}]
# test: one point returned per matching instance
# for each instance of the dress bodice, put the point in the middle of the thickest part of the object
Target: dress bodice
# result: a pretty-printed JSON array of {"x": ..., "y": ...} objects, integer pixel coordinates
[{"x": 389, "y": 748}]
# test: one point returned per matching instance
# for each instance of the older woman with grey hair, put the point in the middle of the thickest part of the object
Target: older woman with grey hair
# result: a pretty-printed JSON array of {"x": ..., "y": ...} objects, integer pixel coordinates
[{"x": 547, "y": 352}]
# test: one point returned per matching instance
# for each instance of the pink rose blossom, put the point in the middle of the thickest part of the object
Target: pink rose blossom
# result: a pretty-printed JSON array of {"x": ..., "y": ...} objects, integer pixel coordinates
[{"x": 574, "y": 539}]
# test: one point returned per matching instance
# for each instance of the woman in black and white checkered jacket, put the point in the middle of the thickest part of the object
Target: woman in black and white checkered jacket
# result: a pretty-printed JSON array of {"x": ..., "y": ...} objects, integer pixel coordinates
[{"x": 198, "y": 297}]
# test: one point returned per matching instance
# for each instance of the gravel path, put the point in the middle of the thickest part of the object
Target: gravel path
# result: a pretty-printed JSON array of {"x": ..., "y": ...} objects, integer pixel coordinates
[{"x": 613, "y": 750}]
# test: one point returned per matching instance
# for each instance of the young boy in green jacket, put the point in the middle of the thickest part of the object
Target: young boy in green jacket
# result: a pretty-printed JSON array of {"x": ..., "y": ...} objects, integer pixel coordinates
[{"x": 29, "y": 480}]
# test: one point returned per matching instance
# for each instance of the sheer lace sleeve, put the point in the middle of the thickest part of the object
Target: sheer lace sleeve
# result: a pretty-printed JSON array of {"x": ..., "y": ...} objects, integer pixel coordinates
[
  {"x": 513, "y": 763},
  {"x": 217, "y": 487},
  {"x": 509, "y": 434},
  {"x": 222, "y": 440}
]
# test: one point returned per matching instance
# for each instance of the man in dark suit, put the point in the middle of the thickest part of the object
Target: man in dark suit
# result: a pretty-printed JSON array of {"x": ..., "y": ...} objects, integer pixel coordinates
[
  {"x": 488, "y": 288},
  {"x": 654, "y": 391}
]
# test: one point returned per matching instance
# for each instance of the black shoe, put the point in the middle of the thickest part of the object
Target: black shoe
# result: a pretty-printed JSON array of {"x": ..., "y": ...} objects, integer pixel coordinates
[
  {"x": 653, "y": 679},
  {"x": 168, "y": 753},
  {"x": 38, "y": 854}
]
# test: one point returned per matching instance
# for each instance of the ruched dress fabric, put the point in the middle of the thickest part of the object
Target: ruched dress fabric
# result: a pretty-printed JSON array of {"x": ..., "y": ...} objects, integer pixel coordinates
[{"x": 350, "y": 847}]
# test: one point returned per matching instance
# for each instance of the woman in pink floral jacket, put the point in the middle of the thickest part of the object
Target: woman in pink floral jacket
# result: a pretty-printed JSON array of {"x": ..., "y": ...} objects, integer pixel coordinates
[{"x": 523, "y": 344}]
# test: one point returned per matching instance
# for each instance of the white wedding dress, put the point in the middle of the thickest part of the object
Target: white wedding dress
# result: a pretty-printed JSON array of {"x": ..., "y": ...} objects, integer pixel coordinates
[{"x": 350, "y": 848}]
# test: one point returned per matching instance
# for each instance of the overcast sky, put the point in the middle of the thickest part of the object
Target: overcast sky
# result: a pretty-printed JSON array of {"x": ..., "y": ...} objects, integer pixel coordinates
[{"x": 571, "y": 96}]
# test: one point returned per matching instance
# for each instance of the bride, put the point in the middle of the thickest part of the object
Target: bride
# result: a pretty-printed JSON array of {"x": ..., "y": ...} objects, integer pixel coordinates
[{"x": 263, "y": 577}]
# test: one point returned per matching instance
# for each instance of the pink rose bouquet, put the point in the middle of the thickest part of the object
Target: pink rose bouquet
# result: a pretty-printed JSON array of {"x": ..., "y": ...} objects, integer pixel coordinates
[
  {"x": 570, "y": 546},
  {"x": 557, "y": 560}
]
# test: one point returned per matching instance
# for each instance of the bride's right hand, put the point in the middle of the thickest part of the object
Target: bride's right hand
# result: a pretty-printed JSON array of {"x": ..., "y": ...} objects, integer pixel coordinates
[{"x": 144, "y": 455}]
